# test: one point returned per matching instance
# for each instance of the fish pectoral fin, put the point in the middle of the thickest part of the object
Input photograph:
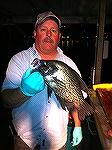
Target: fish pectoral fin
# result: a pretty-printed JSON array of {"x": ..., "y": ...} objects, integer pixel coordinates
[
  {"x": 63, "y": 106},
  {"x": 61, "y": 101}
]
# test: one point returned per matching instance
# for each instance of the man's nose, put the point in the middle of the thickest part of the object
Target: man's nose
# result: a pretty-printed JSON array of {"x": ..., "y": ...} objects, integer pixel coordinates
[{"x": 48, "y": 33}]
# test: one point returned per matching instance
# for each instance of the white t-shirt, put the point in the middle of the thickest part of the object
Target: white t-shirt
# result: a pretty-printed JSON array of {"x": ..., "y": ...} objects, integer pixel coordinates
[{"x": 39, "y": 120}]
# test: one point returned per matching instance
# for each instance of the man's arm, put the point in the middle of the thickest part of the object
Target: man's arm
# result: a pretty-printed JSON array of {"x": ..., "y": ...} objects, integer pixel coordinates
[
  {"x": 31, "y": 84},
  {"x": 13, "y": 97},
  {"x": 77, "y": 132},
  {"x": 76, "y": 118}
]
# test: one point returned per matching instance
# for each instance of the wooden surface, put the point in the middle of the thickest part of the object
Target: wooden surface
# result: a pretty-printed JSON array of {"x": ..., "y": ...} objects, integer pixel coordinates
[{"x": 101, "y": 100}]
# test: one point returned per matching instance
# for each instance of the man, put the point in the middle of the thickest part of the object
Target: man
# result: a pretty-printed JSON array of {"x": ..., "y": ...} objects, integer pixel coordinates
[{"x": 39, "y": 120}]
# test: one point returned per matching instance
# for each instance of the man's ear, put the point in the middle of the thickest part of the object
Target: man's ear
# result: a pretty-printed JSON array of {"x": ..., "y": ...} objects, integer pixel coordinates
[
  {"x": 59, "y": 37},
  {"x": 34, "y": 34}
]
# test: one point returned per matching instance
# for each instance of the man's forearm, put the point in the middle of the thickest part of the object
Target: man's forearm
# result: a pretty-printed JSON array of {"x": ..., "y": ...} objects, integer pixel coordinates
[
  {"x": 13, "y": 97},
  {"x": 76, "y": 118}
]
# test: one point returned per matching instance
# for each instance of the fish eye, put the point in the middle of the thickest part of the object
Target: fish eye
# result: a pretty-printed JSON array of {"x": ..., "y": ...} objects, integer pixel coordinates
[{"x": 52, "y": 84}]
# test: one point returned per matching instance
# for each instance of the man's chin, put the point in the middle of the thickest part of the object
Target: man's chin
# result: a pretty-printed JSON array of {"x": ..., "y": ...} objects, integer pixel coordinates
[{"x": 48, "y": 48}]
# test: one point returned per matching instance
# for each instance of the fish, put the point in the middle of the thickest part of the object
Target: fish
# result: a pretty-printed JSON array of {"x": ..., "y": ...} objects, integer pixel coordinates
[{"x": 67, "y": 85}]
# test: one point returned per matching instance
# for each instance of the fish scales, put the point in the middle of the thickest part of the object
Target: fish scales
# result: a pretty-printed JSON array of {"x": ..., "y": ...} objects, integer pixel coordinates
[
  {"x": 67, "y": 85},
  {"x": 73, "y": 90}
]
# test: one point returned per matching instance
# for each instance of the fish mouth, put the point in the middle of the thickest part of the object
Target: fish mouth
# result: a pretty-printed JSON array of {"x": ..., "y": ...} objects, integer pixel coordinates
[{"x": 36, "y": 63}]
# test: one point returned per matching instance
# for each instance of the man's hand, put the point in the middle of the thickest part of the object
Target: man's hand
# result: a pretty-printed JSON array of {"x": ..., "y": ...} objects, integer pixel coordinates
[
  {"x": 77, "y": 136},
  {"x": 31, "y": 83}
]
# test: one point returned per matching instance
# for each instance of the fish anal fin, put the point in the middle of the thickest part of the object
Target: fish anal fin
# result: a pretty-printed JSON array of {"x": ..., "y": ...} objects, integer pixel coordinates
[{"x": 85, "y": 110}]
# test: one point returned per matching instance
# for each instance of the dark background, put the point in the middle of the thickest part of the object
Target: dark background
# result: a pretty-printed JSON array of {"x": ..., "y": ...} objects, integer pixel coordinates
[{"x": 77, "y": 42}]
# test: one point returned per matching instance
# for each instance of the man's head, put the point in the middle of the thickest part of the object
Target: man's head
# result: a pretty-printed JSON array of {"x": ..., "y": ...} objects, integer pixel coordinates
[{"x": 47, "y": 32}]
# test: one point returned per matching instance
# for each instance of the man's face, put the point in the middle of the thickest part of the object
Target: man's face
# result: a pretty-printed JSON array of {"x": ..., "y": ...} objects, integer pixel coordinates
[{"x": 47, "y": 37}]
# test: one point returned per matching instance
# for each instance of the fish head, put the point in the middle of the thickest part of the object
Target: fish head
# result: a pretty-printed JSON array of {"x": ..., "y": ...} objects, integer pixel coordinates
[
  {"x": 43, "y": 66},
  {"x": 48, "y": 70}
]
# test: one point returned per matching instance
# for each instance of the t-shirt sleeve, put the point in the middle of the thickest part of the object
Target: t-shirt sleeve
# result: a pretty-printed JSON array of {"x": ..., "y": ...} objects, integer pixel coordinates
[{"x": 14, "y": 73}]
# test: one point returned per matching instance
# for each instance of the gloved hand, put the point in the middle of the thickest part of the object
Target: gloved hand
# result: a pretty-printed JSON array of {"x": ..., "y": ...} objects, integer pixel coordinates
[
  {"x": 31, "y": 83},
  {"x": 77, "y": 136}
]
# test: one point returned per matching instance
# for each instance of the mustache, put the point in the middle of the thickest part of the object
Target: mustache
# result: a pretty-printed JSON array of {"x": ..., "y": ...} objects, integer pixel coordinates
[{"x": 48, "y": 39}]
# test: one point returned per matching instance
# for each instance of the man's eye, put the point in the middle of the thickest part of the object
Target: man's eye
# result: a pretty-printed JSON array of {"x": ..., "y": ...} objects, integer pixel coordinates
[
  {"x": 54, "y": 31},
  {"x": 42, "y": 29}
]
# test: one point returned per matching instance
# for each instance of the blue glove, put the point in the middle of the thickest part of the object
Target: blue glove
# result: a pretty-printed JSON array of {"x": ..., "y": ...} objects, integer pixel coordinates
[
  {"x": 77, "y": 136},
  {"x": 31, "y": 83}
]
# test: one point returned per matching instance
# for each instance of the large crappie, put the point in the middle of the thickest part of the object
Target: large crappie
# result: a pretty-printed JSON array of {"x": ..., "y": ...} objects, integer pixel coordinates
[{"x": 66, "y": 83}]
